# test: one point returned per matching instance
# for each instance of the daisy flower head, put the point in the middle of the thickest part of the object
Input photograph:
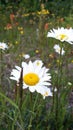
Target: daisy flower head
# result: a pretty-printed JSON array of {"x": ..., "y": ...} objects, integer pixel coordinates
[
  {"x": 58, "y": 49},
  {"x": 62, "y": 34},
  {"x": 3, "y": 46},
  {"x": 35, "y": 77}
]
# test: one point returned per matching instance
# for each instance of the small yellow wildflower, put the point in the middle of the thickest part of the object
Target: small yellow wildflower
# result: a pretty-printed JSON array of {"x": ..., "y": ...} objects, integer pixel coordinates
[
  {"x": 37, "y": 51},
  {"x": 72, "y": 61},
  {"x": 21, "y": 32},
  {"x": 58, "y": 62},
  {"x": 16, "y": 42}
]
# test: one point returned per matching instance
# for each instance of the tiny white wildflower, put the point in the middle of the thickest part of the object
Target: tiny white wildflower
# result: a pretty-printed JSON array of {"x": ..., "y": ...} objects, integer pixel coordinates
[
  {"x": 26, "y": 56},
  {"x": 3, "y": 46},
  {"x": 58, "y": 49}
]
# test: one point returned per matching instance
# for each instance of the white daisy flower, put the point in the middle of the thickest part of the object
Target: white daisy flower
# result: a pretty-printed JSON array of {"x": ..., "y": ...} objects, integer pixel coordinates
[
  {"x": 26, "y": 56},
  {"x": 3, "y": 46},
  {"x": 62, "y": 34},
  {"x": 35, "y": 77},
  {"x": 58, "y": 49},
  {"x": 46, "y": 93},
  {"x": 69, "y": 83}
]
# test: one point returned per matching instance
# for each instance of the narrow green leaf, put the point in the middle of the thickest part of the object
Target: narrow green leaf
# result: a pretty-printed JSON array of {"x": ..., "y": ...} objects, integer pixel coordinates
[{"x": 8, "y": 100}]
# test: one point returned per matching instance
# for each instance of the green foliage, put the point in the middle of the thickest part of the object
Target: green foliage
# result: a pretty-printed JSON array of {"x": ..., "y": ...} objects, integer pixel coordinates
[
  {"x": 58, "y": 7},
  {"x": 29, "y": 35}
]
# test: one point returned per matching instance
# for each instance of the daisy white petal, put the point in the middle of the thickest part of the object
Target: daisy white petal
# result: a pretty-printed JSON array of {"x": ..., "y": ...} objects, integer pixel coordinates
[
  {"x": 18, "y": 68},
  {"x": 30, "y": 66},
  {"x": 24, "y": 86},
  {"x": 13, "y": 78},
  {"x": 24, "y": 64},
  {"x": 45, "y": 83},
  {"x": 15, "y": 74},
  {"x": 31, "y": 89}
]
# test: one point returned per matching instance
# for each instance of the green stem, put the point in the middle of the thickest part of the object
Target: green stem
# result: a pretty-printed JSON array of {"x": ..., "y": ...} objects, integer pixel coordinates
[
  {"x": 53, "y": 99},
  {"x": 15, "y": 122},
  {"x": 1, "y": 68},
  {"x": 31, "y": 118},
  {"x": 58, "y": 87}
]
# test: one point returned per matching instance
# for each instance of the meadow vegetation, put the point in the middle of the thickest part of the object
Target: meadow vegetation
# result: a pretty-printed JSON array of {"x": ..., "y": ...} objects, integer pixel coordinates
[{"x": 24, "y": 27}]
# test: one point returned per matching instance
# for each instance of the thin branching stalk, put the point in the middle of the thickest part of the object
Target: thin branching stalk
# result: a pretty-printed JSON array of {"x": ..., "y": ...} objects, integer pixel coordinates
[
  {"x": 31, "y": 118},
  {"x": 17, "y": 121},
  {"x": 1, "y": 55},
  {"x": 58, "y": 86}
]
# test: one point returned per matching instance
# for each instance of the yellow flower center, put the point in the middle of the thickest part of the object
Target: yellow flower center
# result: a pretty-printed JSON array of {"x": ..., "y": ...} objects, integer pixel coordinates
[
  {"x": 31, "y": 79},
  {"x": 38, "y": 63},
  {"x": 62, "y": 37},
  {"x": 46, "y": 94}
]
